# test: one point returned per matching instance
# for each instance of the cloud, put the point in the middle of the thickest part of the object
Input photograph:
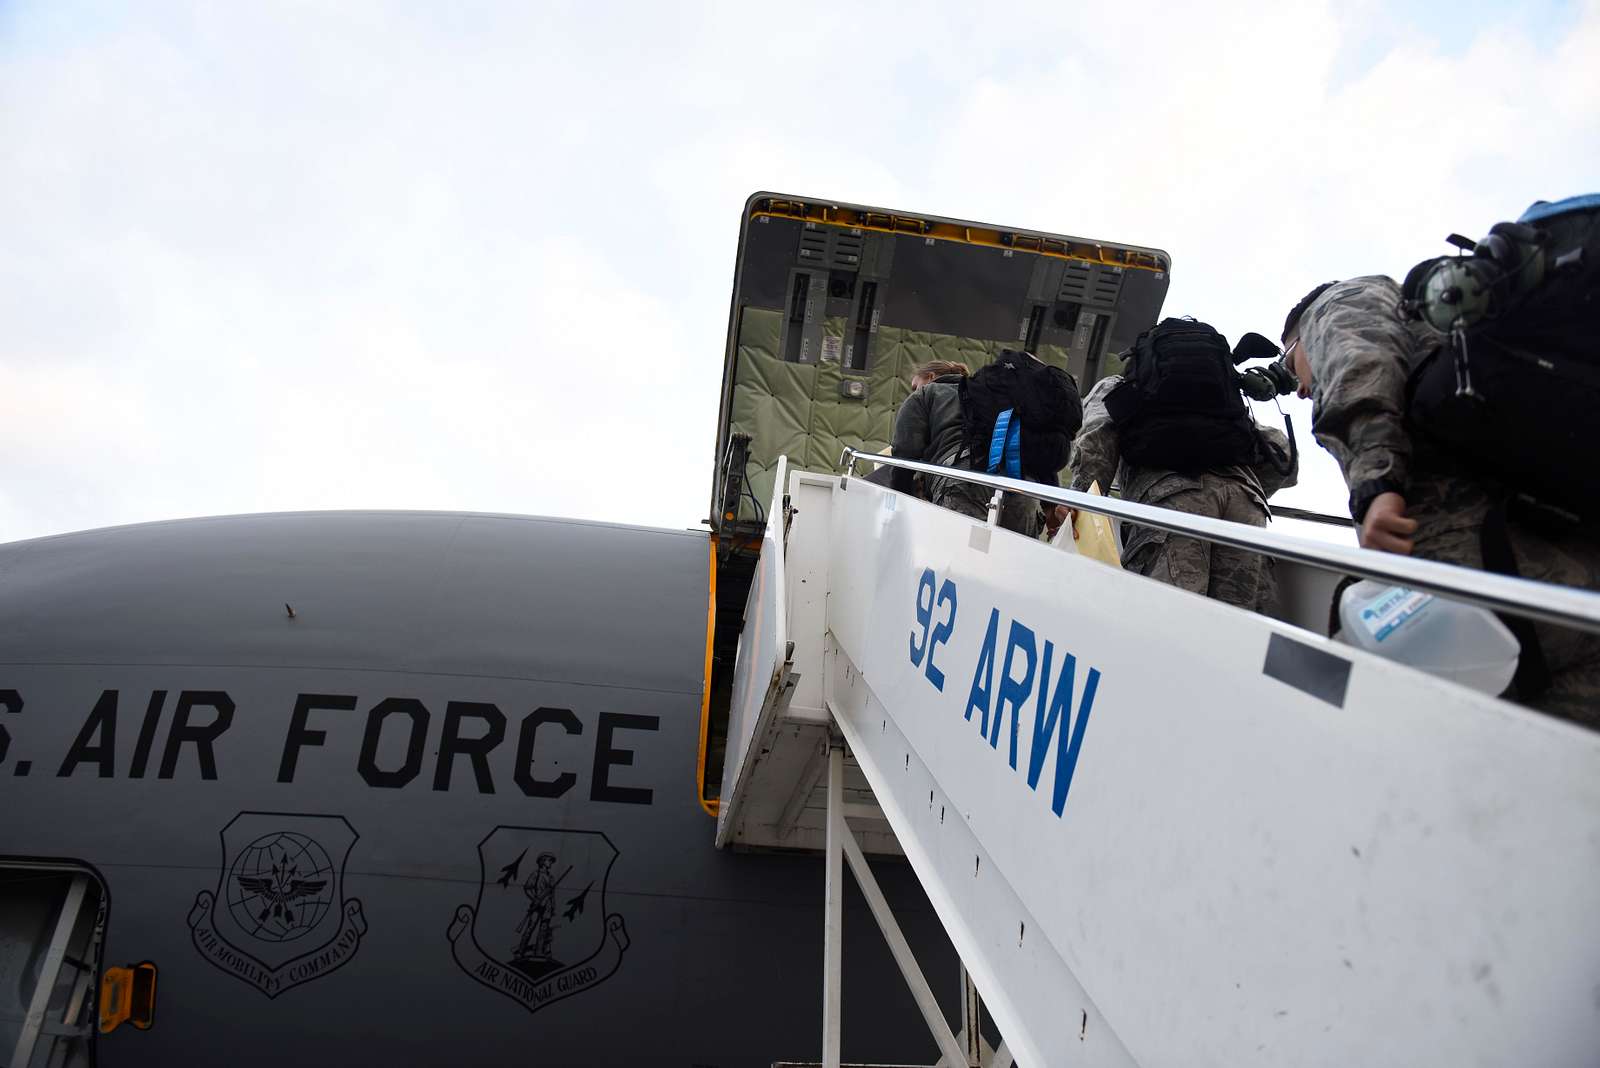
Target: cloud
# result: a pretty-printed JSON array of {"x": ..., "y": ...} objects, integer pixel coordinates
[{"x": 479, "y": 256}]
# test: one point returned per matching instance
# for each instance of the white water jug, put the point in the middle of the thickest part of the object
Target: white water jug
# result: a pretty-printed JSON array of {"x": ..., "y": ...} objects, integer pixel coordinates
[{"x": 1459, "y": 642}]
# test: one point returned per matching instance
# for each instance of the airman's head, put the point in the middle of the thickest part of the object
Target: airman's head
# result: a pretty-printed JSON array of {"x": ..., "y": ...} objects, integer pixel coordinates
[
  {"x": 935, "y": 369},
  {"x": 1294, "y": 352}
]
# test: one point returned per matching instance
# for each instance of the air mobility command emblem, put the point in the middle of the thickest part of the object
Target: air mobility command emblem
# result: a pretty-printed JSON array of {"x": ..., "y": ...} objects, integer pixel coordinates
[
  {"x": 540, "y": 931},
  {"x": 279, "y": 917}
]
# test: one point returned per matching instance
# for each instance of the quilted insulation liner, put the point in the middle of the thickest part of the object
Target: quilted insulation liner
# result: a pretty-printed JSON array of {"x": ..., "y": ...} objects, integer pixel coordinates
[{"x": 795, "y": 410}]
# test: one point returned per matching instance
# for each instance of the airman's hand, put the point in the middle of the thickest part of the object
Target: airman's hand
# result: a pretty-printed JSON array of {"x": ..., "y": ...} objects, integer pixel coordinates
[{"x": 1385, "y": 526}]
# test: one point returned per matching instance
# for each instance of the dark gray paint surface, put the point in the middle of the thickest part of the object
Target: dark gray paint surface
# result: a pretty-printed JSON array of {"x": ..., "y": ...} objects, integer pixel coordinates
[{"x": 723, "y": 965}]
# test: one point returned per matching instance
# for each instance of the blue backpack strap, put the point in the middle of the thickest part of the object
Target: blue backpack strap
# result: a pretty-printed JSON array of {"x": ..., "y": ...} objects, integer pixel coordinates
[{"x": 1005, "y": 445}]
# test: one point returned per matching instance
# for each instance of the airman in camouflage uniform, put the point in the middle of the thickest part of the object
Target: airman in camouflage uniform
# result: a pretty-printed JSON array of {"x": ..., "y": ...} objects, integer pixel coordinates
[
  {"x": 928, "y": 428},
  {"x": 1352, "y": 351},
  {"x": 1236, "y": 493}
]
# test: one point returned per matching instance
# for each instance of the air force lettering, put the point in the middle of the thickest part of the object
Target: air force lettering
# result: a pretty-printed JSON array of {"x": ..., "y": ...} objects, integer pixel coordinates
[
  {"x": 278, "y": 917},
  {"x": 540, "y": 932}
]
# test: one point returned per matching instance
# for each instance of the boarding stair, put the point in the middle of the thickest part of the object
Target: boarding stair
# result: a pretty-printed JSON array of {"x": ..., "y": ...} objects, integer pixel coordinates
[{"x": 1158, "y": 829}]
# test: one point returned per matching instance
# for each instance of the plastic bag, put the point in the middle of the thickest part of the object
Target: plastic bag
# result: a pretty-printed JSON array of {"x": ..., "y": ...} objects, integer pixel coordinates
[
  {"x": 1090, "y": 535},
  {"x": 1062, "y": 539}
]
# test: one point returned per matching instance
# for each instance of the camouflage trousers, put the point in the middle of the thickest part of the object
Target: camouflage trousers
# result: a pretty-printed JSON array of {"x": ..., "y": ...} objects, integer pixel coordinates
[
  {"x": 1235, "y": 576},
  {"x": 1451, "y": 513},
  {"x": 1017, "y": 512}
]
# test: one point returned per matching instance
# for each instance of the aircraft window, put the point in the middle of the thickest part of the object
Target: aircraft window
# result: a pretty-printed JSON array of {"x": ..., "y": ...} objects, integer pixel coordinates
[{"x": 51, "y": 934}]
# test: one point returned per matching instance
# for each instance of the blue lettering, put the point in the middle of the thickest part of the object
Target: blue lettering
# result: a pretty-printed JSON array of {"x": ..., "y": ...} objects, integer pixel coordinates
[
  {"x": 983, "y": 678},
  {"x": 924, "y": 617},
  {"x": 1012, "y": 690},
  {"x": 1044, "y": 726},
  {"x": 941, "y": 633}
]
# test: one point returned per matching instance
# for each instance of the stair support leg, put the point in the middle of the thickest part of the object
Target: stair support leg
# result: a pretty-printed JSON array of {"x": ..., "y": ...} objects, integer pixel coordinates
[
  {"x": 903, "y": 956},
  {"x": 833, "y": 907},
  {"x": 971, "y": 1017}
]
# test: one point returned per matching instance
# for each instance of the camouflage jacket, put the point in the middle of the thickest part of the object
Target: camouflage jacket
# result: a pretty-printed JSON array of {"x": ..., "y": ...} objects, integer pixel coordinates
[
  {"x": 1361, "y": 354},
  {"x": 1096, "y": 458}
]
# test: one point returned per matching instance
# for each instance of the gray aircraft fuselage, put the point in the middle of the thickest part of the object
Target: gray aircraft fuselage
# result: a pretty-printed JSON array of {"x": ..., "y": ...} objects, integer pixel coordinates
[{"x": 414, "y": 788}]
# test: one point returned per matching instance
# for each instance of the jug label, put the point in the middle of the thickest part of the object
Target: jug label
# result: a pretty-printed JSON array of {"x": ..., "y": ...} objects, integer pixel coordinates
[{"x": 1385, "y": 613}]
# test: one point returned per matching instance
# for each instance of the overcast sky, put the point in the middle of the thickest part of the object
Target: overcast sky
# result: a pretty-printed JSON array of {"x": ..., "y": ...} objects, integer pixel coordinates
[{"x": 257, "y": 257}]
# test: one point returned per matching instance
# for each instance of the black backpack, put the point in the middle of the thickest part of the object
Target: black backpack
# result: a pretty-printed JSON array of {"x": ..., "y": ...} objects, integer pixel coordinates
[
  {"x": 1513, "y": 387},
  {"x": 1178, "y": 406},
  {"x": 1042, "y": 398}
]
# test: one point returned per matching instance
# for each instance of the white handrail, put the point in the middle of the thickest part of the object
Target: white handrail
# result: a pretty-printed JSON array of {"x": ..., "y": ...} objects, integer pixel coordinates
[{"x": 1541, "y": 601}]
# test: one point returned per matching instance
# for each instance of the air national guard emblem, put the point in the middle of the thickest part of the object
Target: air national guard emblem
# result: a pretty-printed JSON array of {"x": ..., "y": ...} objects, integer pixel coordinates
[
  {"x": 540, "y": 932},
  {"x": 279, "y": 917}
]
